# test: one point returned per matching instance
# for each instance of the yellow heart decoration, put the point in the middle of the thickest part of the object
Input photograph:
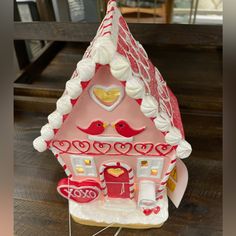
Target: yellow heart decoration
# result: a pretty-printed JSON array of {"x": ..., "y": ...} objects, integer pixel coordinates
[
  {"x": 107, "y": 97},
  {"x": 116, "y": 172}
]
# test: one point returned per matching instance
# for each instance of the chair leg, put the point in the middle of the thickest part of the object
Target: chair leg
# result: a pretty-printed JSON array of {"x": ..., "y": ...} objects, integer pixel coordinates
[{"x": 169, "y": 10}]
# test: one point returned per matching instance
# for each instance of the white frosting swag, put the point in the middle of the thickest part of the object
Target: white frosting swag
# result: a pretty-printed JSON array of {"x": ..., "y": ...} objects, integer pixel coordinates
[
  {"x": 55, "y": 120},
  {"x": 149, "y": 106},
  {"x": 39, "y": 144},
  {"x": 103, "y": 50},
  {"x": 120, "y": 68},
  {"x": 73, "y": 88},
  {"x": 135, "y": 88},
  {"x": 64, "y": 105},
  {"x": 86, "y": 69}
]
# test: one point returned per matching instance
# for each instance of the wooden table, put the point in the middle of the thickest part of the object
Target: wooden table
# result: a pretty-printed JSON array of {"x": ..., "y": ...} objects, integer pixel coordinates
[{"x": 193, "y": 73}]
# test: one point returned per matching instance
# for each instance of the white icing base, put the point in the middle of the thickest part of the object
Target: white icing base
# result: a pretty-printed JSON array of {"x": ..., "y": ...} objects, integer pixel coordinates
[{"x": 118, "y": 211}]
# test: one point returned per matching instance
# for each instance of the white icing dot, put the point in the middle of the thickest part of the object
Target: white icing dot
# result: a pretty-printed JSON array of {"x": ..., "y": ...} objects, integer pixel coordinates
[
  {"x": 39, "y": 144},
  {"x": 73, "y": 87},
  {"x": 162, "y": 122},
  {"x": 86, "y": 69},
  {"x": 103, "y": 50},
  {"x": 135, "y": 88},
  {"x": 55, "y": 120},
  {"x": 47, "y": 132},
  {"x": 120, "y": 68},
  {"x": 64, "y": 105},
  {"x": 149, "y": 106},
  {"x": 174, "y": 136},
  {"x": 184, "y": 149}
]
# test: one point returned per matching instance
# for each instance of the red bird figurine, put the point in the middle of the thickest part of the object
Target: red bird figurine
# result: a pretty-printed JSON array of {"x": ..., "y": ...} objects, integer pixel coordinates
[
  {"x": 124, "y": 129},
  {"x": 95, "y": 128}
]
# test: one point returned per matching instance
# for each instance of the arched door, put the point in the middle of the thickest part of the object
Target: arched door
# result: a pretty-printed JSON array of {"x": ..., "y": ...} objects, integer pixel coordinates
[{"x": 117, "y": 180}]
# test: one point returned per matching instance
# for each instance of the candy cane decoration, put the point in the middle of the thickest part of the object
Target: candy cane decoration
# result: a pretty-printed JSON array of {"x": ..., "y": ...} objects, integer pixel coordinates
[
  {"x": 130, "y": 173},
  {"x": 166, "y": 177},
  {"x": 60, "y": 160}
]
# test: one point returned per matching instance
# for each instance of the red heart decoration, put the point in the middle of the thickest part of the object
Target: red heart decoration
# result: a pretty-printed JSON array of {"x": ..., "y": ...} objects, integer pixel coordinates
[
  {"x": 102, "y": 148},
  {"x": 81, "y": 146},
  {"x": 61, "y": 145},
  {"x": 163, "y": 149},
  {"x": 143, "y": 148},
  {"x": 123, "y": 148},
  {"x": 156, "y": 210},
  {"x": 147, "y": 212},
  {"x": 81, "y": 192}
]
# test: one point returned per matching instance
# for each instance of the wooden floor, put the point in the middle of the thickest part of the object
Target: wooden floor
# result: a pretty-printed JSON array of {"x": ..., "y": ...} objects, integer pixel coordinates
[{"x": 195, "y": 77}]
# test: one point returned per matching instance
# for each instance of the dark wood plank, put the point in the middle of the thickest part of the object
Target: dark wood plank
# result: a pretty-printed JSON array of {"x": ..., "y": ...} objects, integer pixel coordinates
[
  {"x": 36, "y": 91},
  {"x": 154, "y": 34},
  {"x": 20, "y": 45},
  {"x": 39, "y": 63},
  {"x": 45, "y": 9},
  {"x": 34, "y": 104},
  {"x": 47, "y": 219},
  {"x": 37, "y": 218}
]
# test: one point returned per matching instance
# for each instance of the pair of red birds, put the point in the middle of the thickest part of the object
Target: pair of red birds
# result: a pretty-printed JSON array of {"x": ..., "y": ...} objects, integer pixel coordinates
[{"x": 122, "y": 127}]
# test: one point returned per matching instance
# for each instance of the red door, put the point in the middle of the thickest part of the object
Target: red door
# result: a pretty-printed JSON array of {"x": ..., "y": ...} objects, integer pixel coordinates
[{"x": 117, "y": 182}]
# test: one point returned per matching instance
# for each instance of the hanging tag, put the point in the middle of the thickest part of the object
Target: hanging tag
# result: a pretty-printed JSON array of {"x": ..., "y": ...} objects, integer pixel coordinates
[{"x": 177, "y": 182}]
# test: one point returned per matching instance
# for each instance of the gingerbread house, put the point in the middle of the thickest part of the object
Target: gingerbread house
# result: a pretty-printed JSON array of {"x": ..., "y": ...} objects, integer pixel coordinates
[{"x": 116, "y": 131}]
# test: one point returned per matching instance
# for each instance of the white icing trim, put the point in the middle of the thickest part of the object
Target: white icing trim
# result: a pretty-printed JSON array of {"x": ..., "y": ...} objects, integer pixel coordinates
[
  {"x": 103, "y": 50},
  {"x": 73, "y": 88},
  {"x": 135, "y": 88},
  {"x": 101, "y": 138},
  {"x": 184, "y": 149},
  {"x": 149, "y": 106},
  {"x": 47, "y": 132},
  {"x": 55, "y": 120},
  {"x": 120, "y": 68},
  {"x": 162, "y": 122},
  {"x": 115, "y": 104},
  {"x": 174, "y": 136},
  {"x": 64, "y": 105},
  {"x": 86, "y": 69},
  {"x": 119, "y": 211},
  {"x": 39, "y": 144}
]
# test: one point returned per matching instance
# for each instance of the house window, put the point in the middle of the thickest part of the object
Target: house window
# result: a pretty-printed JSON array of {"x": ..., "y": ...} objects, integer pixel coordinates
[
  {"x": 150, "y": 167},
  {"x": 84, "y": 166}
]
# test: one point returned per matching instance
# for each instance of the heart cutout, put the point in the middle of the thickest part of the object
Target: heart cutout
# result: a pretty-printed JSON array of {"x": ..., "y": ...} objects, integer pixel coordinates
[
  {"x": 102, "y": 148},
  {"x": 143, "y": 148},
  {"x": 107, "y": 97},
  {"x": 163, "y": 149},
  {"x": 61, "y": 145},
  {"x": 116, "y": 172},
  {"x": 123, "y": 148},
  {"x": 81, "y": 146}
]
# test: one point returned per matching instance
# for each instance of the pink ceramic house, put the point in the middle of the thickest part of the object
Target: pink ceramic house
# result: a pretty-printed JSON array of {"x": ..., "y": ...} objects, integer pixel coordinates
[{"x": 117, "y": 132}]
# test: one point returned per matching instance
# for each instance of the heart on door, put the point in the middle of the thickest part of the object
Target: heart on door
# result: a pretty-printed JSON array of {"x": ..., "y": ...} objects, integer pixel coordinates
[
  {"x": 116, "y": 172},
  {"x": 107, "y": 97}
]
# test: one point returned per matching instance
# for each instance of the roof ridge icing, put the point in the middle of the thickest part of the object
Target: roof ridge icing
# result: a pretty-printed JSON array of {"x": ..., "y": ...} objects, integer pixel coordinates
[{"x": 114, "y": 45}]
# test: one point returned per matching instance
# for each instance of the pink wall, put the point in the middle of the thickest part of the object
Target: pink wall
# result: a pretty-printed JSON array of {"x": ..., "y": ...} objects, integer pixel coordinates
[{"x": 86, "y": 110}]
